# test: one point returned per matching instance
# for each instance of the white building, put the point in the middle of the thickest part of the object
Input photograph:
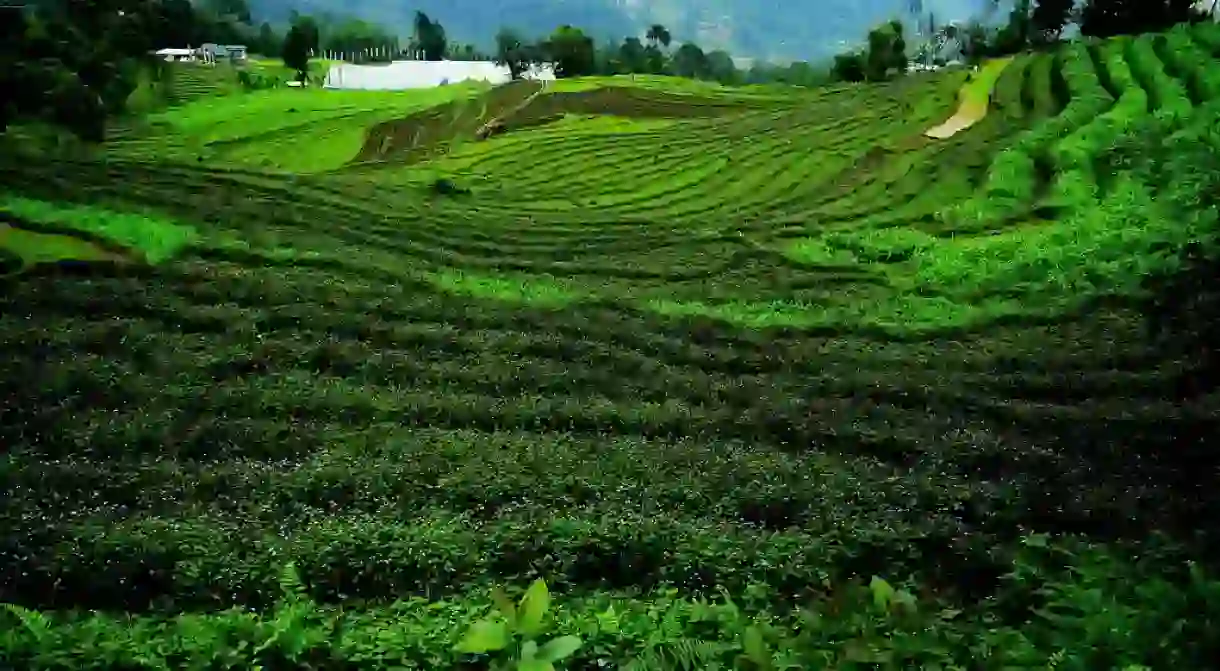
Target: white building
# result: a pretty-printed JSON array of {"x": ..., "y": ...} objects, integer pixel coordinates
[
  {"x": 400, "y": 75},
  {"x": 174, "y": 55},
  {"x": 234, "y": 53}
]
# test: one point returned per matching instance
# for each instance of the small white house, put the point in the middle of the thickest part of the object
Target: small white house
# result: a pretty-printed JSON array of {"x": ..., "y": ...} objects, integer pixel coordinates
[
  {"x": 211, "y": 53},
  {"x": 175, "y": 55},
  {"x": 400, "y": 75}
]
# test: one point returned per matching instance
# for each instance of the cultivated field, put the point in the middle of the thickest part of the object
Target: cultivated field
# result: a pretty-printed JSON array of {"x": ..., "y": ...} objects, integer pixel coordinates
[{"x": 660, "y": 344}]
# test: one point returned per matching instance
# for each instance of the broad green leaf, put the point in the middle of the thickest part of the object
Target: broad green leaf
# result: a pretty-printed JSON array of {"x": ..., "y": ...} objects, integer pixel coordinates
[
  {"x": 529, "y": 650},
  {"x": 504, "y": 605},
  {"x": 755, "y": 647},
  {"x": 484, "y": 636},
  {"x": 883, "y": 593},
  {"x": 534, "y": 665},
  {"x": 607, "y": 620},
  {"x": 533, "y": 606},
  {"x": 559, "y": 648}
]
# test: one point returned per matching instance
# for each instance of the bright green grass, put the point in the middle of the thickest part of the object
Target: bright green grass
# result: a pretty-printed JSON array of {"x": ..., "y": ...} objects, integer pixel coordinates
[
  {"x": 236, "y": 117},
  {"x": 294, "y": 130},
  {"x": 34, "y": 247},
  {"x": 157, "y": 239},
  {"x": 532, "y": 290}
]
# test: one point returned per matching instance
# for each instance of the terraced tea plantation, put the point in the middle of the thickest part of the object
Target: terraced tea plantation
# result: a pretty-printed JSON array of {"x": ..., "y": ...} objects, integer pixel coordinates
[{"x": 750, "y": 377}]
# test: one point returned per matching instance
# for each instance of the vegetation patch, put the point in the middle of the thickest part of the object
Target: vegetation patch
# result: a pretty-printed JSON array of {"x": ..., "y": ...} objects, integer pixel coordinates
[
  {"x": 729, "y": 378},
  {"x": 154, "y": 239}
]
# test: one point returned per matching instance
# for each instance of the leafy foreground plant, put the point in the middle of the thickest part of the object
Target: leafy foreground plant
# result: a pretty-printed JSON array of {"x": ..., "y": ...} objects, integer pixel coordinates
[
  {"x": 1065, "y": 604},
  {"x": 513, "y": 633}
]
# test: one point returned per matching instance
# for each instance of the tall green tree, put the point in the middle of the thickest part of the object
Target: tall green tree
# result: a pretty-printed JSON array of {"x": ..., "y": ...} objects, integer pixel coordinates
[
  {"x": 310, "y": 31},
  {"x": 659, "y": 35},
  {"x": 74, "y": 63},
  {"x": 1050, "y": 17},
  {"x": 429, "y": 38},
  {"x": 1104, "y": 18},
  {"x": 976, "y": 40},
  {"x": 177, "y": 25},
  {"x": 296, "y": 51},
  {"x": 850, "y": 67},
  {"x": 571, "y": 51},
  {"x": 632, "y": 55},
  {"x": 721, "y": 67},
  {"x": 515, "y": 53},
  {"x": 268, "y": 41},
  {"x": 690, "y": 61},
  {"x": 886, "y": 51}
]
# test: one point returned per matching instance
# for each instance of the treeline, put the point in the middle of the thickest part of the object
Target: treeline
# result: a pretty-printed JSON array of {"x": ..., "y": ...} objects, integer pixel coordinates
[{"x": 75, "y": 62}]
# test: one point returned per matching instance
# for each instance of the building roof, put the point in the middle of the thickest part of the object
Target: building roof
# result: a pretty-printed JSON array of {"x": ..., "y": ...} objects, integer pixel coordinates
[{"x": 421, "y": 74}]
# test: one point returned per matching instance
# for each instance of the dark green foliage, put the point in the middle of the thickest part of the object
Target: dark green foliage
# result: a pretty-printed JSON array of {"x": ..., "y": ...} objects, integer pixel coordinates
[
  {"x": 571, "y": 52},
  {"x": 1049, "y": 17},
  {"x": 447, "y": 187},
  {"x": 886, "y": 52},
  {"x": 1104, "y": 18},
  {"x": 659, "y": 36},
  {"x": 73, "y": 63},
  {"x": 429, "y": 38},
  {"x": 1093, "y": 610},
  {"x": 324, "y": 455},
  {"x": 850, "y": 67},
  {"x": 515, "y": 53},
  {"x": 296, "y": 51},
  {"x": 690, "y": 61},
  {"x": 9, "y": 262}
]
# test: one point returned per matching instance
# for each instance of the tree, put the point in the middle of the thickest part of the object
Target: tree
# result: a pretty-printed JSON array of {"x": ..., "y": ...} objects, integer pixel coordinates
[
  {"x": 232, "y": 10},
  {"x": 429, "y": 38},
  {"x": 690, "y": 61},
  {"x": 310, "y": 29},
  {"x": 514, "y": 52},
  {"x": 177, "y": 24},
  {"x": 74, "y": 63},
  {"x": 1050, "y": 17},
  {"x": 721, "y": 67},
  {"x": 632, "y": 55},
  {"x": 976, "y": 42},
  {"x": 1105, "y": 18},
  {"x": 659, "y": 34},
  {"x": 849, "y": 67},
  {"x": 296, "y": 51},
  {"x": 268, "y": 41},
  {"x": 571, "y": 51},
  {"x": 886, "y": 51},
  {"x": 1016, "y": 33}
]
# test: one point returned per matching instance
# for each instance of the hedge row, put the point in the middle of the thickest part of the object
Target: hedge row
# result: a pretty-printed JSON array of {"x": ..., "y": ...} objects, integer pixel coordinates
[
  {"x": 1187, "y": 58},
  {"x": 223, "y": 558},
  {"x": 1075, "y": 155},
  {"x": 1013, "y": 178},
  {"x": 1066, "y": 604},
  {"x": 1168, "y": 95}
]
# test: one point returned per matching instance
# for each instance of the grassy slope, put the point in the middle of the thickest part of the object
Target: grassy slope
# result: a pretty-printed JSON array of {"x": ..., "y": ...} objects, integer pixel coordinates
[
  {"x": 281, "y": 129},
  {"x": 575, "y": 371}
]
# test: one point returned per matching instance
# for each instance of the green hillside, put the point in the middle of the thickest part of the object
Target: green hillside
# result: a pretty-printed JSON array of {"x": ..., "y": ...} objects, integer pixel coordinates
[{"x": 301, "y": 375}]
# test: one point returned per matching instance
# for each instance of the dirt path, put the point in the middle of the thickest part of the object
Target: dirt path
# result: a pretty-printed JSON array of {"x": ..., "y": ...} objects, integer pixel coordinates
[{"x": 975, "y": 97}]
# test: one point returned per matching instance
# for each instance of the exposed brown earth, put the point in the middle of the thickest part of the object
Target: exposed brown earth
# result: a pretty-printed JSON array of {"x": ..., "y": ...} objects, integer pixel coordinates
[{"x": 510, "y": 107}]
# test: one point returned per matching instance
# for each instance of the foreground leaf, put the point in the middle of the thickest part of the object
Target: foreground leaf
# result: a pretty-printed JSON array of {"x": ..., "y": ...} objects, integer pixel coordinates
[{"x": 484, "y": 636}]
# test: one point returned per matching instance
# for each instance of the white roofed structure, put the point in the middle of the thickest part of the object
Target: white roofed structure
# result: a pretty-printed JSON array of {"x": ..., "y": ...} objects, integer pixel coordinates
[{"x": 401, "y": 75}]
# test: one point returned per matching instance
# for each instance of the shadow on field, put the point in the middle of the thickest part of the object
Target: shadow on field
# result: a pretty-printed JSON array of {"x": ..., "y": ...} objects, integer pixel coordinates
[{"x": 416, "y": 137}]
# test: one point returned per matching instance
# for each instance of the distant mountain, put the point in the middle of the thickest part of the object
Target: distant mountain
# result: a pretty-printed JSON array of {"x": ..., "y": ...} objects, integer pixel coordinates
[{"x": 764, "y": 29}]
